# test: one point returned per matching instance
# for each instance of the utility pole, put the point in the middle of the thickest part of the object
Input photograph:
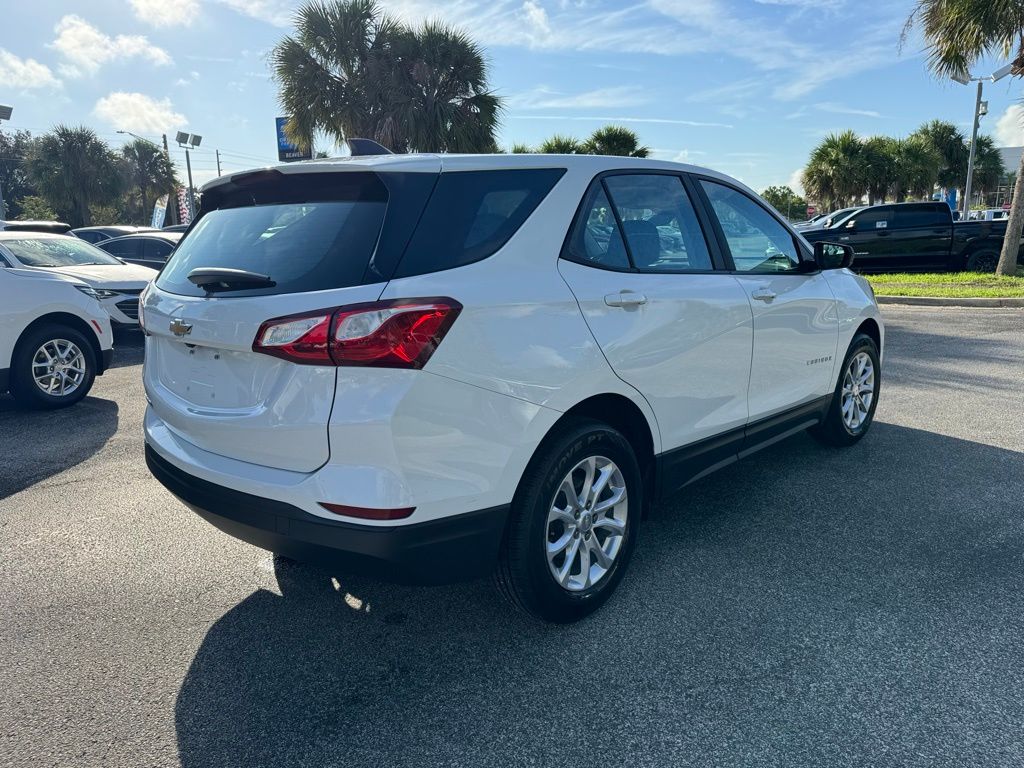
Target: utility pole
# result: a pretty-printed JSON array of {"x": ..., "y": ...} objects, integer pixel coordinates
[
  {"x": 970, "y": 158},
  {"x": 218, "y": 161},
  {"x": 191, "y": 196},
  {"x": 171, "y": 216}
]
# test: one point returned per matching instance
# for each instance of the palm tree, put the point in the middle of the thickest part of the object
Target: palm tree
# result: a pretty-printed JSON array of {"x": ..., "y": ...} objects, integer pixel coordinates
[
  {"x": 352, "y": 70},
  {"x": 879, "y": 154},
  {"x": 561, "y": 145},
  {"x": 836, "y": 172},
  {"x": 953, "y": 150},
  {"x": 958, "y": 34},
  {"x": 988, "y": 166},
  {"x": 148, "y": 173},
  {"x": 73, "y": 169},
  {"x": 916, "y": 168},
  {"x": 522, "y": 149},
  {"x": 614, "y": 140}
]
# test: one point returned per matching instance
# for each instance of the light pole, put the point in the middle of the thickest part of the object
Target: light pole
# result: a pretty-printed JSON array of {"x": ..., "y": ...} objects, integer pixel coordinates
[
  {"x": 980, "y": 108},
  {"x": 5, "y": 114},
  {"x": 189, "y": 141}
]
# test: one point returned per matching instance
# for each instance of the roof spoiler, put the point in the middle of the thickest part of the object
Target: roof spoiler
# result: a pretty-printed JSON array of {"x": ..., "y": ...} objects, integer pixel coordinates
[{"x": 366, "y": 147}]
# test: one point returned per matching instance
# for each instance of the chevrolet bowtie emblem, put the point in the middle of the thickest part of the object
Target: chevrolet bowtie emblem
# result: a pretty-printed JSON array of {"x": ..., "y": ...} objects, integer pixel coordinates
[{"x": 180, "y": 328}]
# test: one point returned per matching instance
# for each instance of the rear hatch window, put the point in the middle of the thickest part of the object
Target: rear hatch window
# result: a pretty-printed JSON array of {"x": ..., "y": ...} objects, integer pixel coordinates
[{"x": 301, "y": 245}]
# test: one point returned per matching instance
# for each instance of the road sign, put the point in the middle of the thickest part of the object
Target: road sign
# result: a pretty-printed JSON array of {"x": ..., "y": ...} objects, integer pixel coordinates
[
  {"x": 286, "y": 151},
  {"x": 1006, "y": 206},
  {"x": 811, "y": 210}
]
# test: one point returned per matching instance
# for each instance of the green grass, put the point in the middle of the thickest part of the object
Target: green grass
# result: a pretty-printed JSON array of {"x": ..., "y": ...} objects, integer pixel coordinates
[{"x": 959, "y": 285}]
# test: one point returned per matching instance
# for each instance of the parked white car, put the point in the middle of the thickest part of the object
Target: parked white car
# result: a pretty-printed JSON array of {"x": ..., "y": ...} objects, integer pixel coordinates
[
  {"x": 428, "y": 368},
  {"x": 55, "y": 338},
  {"x": 117, "y": 285}
]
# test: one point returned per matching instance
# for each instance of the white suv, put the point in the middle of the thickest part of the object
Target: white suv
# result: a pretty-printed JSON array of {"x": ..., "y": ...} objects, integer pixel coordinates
[
  {"x": 55, "y": 338},
  {"x": 429, "y": 368}
]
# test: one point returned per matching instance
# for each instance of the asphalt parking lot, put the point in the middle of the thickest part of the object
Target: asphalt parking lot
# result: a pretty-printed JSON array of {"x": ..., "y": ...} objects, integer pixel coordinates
[{"x": 804, "y": 607}]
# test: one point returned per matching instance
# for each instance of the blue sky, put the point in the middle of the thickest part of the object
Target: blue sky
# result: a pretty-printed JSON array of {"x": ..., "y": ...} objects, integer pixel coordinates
[{"x": 743, "y": 86}]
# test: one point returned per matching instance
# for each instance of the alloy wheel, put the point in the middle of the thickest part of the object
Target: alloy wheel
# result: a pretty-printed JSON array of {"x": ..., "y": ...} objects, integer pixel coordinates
[
  {"x": 858, "y": 390},
  {"x": 586, "y": 523},
  {"x": 58, "y": 367}
]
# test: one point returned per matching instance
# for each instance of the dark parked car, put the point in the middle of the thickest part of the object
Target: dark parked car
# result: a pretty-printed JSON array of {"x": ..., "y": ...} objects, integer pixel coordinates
[
  {"x": 96, "y": 235},
  {"x": 175, "y": 228},
  {"x": 915, "y": 237},
  {"x": 150, "y": 249},
  {"x": 56, "y": 227}
]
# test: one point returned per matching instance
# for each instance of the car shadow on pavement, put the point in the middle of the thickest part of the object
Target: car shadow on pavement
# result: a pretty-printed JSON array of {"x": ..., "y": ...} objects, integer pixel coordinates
[
  {"x": 805, "y": 606},
  {"x": 39, "y": 444},
  {"x": 129, "y": 347}
]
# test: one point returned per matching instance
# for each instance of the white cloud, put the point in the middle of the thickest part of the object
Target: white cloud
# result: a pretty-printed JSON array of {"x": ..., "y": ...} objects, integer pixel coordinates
[
  {"x": 86, "y": 48},
  {"x": 840, "y": 109},
  {"x": 138, "y": 113},
  {"x": 796, "y": 181},
  {"x": 594, "y": 119},
  {"x": 25, "y": 74},
  {"x": 166, "y": 13},
  {"x": 543, "y": 97},
  {"x": 1010, "y": 127},
  {"x": 276, "y": 12}
]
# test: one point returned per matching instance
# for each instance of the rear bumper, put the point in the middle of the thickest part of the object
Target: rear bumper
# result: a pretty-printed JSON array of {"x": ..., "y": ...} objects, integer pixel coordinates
[{"x": 438, "y": 551}]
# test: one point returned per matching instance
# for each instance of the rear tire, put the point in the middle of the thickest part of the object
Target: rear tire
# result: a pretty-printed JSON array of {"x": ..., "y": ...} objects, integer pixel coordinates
[
  {"x": 595, "y": 524},
  {"x": 856, "y": 396},
  {"x": 54, "y": 366},
  {"x": 983, "y": 260}
]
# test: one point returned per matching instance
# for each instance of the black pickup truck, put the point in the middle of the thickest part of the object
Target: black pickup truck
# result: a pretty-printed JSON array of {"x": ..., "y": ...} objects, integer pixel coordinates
[{"x": 915, "y": 237}]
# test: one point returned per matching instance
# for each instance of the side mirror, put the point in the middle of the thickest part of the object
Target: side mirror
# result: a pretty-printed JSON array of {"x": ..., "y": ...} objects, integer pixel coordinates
[
  {"x": 851, "y": 224},
  {"x": 833, "y": 255}
]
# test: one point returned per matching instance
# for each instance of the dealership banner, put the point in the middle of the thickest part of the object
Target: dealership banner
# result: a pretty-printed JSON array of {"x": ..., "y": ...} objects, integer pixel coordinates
[
  {"x": 286, "y": 151},
  {"x": 159, "y": 212}
]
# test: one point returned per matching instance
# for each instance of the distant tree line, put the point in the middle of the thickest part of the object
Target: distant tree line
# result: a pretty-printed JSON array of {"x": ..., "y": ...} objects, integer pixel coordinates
[
  {"x": 844, "y": 168},
  {"x": 72, "y": 175}
]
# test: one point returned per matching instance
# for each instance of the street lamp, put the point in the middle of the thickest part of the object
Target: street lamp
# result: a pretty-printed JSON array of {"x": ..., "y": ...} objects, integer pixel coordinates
[
  {"x": 189, "y": 141},
  {"x": 980, "y": 108},
  {"x": 5, "y": 114}
]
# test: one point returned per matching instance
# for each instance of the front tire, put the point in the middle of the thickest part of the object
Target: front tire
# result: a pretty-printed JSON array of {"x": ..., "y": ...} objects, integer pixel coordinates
[
  {"x": 852, "y": 410},
  {"x": 54, "y": 366},
  {"x": 573, "y": 523}
]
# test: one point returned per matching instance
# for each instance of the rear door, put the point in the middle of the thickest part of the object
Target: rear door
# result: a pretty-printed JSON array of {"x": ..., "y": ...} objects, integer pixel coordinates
[
  {"x": 155, "y": 252},
  {"x": 669, "y": 323},
  {"x": 318, "y": 238},
  {"x": 921, "y": 235},
  {"x": 795, "y": 323}
]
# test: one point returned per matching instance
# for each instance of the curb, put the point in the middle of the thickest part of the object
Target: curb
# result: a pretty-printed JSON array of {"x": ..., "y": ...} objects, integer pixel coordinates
[{"x": 935, "y": 301}]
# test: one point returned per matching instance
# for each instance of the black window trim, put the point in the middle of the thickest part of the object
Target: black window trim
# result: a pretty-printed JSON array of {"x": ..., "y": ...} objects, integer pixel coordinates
[
  {"x": 806, "y": 255},
  {"x": 718, "y": 262}
]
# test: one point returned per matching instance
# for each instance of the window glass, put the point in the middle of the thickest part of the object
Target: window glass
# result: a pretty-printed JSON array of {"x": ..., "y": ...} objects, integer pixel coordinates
[
  {"x": 156, "y": 250},
  {"x": 659, "y": 223},
  {"x": 300, "y": 246},
  {"x": 873, "y": 219},
  {"x": 595, "y": 237},
  {"x": 123, "y": 249},
  {"x": 60, "y": 251},
  {"x": 91, "y": 237},
  {"x": 921, "y": 216},
  {"x": 472, "y": 214},
  {"x": 756, "y": 239}
]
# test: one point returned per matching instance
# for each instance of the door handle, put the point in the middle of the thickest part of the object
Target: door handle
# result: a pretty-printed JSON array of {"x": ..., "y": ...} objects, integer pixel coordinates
[
  {"x": 625, "y": 299},
  {"x": 764, "y": 294}
]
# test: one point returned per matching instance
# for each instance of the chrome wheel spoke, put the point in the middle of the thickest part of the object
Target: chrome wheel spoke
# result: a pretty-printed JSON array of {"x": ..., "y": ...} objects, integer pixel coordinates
[{"x": 586, "y": 523}]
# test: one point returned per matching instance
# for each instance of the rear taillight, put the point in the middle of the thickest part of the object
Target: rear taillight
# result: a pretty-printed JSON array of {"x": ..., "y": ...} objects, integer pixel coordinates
[{"x": 385, "y": 334}]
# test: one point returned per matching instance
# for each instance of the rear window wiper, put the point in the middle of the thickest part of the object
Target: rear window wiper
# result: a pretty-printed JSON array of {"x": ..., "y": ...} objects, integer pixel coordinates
[{"x": 213, "y": 279}]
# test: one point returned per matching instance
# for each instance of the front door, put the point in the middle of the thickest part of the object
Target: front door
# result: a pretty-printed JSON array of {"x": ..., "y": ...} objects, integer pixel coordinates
[
  {"x": 870, "y": 232},
  {"x": 796, "y": 327},
  {"x": 669, "y": 323}
]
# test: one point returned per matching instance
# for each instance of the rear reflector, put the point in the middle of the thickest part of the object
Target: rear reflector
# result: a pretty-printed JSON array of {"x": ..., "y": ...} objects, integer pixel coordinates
[
  {"x": 384, "y": 334},
  {"x": 367, "y": 513}
]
